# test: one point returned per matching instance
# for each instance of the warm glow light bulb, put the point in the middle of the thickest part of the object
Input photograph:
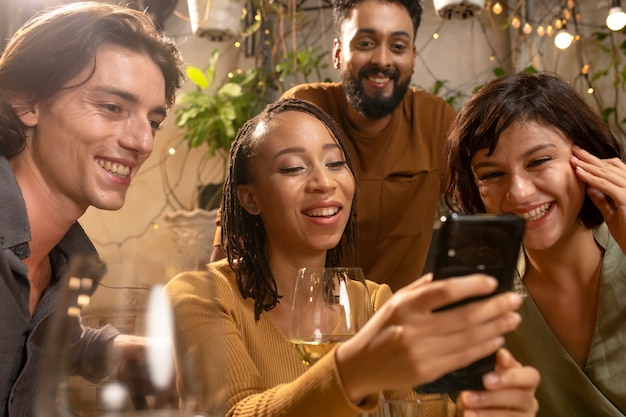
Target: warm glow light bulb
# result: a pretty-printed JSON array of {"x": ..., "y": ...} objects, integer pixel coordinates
[
  {"x": 616, "y": 20},
  {"x": 497, "y": 8},
  {"x": 566, "y": 14},
  {"x": 516, "y": 23},
  {"x": 541, "y": 31},
  {"x": 590, "y": 90},
  {"x": 563, "y": 39},
  {"x": 528, "y": 29},
  {"x": 171, "y": 151},
  {"x": 435, "y": 35},
  {"x": 585, "y": 69}
]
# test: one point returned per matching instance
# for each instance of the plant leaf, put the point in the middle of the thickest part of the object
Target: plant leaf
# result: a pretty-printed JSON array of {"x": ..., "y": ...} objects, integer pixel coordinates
[{"x": 197, "y": 76}]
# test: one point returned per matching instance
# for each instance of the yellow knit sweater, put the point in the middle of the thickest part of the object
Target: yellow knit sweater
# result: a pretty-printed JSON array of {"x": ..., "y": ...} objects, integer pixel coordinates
[{"x": 258, "y": 372}]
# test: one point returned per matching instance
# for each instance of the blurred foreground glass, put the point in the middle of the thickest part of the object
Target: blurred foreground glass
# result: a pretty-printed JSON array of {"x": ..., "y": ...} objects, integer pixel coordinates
[
  {"x": 428, "y": 405},
  {"x": 329, "y": 306},
  {"x": 143, "y": 381}
]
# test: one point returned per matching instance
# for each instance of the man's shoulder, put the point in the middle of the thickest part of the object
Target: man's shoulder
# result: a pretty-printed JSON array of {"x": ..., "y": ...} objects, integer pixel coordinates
[
  {"x": 318, "y": 89},
  {"x": 421, "y": 106},
  {"x": 418, "y": 95}
]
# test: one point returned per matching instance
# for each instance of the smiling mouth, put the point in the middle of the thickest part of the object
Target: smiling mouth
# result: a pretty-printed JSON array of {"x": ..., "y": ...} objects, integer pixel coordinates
[
  {"x": 536, "y": 213},
  {"x": 379, "y": 80},
  {"x": 114, "y": 168},
  {"x": 322, "y": 212}
]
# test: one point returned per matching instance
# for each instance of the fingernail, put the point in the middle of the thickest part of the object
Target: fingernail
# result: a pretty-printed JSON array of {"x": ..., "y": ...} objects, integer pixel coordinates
[
  {"x": 515, "y": 299},
  {"x": 492, "y": 379},
  {"x": 515, "y": 319},
  {"x": 471, "y": 397}
]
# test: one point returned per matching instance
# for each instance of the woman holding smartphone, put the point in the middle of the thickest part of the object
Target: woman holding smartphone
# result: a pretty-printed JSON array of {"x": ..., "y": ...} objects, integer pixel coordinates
[
  {"x": 289, "y": 202},
  {"x": 529, "y": 145}
]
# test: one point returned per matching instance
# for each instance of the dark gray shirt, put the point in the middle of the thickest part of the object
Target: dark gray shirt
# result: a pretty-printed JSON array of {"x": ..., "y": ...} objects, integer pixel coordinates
[{"x": 22, "y": 336}]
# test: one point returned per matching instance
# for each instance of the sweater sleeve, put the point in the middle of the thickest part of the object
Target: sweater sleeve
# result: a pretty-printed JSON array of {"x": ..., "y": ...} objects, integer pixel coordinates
[
  {"x": 263, "y": 376},
  {"x": 317, "y": 392}
]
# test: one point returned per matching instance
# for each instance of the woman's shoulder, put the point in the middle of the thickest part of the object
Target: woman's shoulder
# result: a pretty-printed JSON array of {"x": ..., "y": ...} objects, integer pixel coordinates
[
  {"x": 379, "y": 293},
  {"x": 217, "y": 279}
]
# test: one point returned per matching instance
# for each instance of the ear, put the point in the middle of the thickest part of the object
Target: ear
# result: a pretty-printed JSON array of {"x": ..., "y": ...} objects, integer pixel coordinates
[
  {"x": 245, "y": 195},
  {"x": 26, "y": 111},
  {"x": 336, "y": 54}
]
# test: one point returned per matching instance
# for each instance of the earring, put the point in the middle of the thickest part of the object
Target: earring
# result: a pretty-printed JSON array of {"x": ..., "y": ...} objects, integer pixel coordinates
[{"x": 254, "y": 209}]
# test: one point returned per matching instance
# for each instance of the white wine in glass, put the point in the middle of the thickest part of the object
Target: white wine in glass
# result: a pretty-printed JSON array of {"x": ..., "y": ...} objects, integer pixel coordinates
[{"x": 329, "y": 306}]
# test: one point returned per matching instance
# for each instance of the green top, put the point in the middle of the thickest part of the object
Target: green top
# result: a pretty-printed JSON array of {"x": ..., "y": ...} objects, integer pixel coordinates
[{"x": 567, "y": 390}]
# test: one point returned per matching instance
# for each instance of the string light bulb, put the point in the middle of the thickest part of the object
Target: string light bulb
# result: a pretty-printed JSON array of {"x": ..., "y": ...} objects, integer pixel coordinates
[
  {"x": 541, "y": 31},
  {"x": 558, "y": 24},
  {"x": 528, "y": 29},
  {"x": 496, "y": 8},
  {"x": 616, "y": 20},
  {"x": 563, "y": 39}
]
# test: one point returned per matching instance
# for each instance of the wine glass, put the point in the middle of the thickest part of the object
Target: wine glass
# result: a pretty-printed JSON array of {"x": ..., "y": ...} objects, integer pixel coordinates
[
  {"x": 329, "y": 306},
  {"x": 142, "y": 378}
]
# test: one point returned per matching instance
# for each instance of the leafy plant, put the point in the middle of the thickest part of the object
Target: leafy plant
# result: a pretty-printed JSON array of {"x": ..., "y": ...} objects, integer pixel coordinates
[{"x": 211, "y": 115}]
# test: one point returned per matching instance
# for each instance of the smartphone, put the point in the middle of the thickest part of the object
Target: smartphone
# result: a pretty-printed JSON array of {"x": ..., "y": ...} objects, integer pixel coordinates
[{"x": 467, "y": 244}]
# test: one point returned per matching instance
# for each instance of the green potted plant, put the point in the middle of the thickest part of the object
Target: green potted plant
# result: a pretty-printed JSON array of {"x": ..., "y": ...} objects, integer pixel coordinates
[{"x": 209, "y": 115}]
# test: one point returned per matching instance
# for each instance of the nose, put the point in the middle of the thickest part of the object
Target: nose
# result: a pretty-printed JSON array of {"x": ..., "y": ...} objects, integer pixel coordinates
[
  {"x": 139, "y": 137},
  {"x": 519, "y": 189},
  {"x": 321, "y": 180},
  {"x": 381, "y": 57}
]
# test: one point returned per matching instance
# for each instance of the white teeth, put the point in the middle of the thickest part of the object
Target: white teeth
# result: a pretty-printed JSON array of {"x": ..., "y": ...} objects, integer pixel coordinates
[
  {"x": 535, "y": 213},
  {"x": 379, "y": 80},
  {"x": 115, "y": 168},
  {"x": 323, "y": 212}
]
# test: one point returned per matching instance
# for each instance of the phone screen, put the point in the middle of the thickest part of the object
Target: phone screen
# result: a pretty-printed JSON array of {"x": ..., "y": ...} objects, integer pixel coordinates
[{"x": 468, "y": 244}]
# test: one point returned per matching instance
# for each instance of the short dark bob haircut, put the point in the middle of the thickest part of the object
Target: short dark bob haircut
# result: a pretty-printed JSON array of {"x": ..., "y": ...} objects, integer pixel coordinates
[{"x": 542, "y": 98}]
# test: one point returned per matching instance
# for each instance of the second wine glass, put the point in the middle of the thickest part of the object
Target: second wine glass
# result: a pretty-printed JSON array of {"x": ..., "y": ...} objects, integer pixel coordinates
[{"x": 329, "y": 306}]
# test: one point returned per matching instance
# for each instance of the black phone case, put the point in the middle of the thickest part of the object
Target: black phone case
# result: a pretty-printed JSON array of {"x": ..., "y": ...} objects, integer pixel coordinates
[{"x": 467, "y": 244}]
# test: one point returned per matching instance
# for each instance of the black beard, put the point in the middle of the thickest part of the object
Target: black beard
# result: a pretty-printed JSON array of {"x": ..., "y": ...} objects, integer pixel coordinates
[{"x": 373, "y": 107}]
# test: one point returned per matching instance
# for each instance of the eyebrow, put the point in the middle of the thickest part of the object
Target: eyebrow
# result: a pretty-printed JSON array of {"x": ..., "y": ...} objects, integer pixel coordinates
[
  {"x": 526, "y": 154},
  {"x": 126, "y": 96},
  {"x": 374, "y": 31},
  {"x": 301, "y": 149}
]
